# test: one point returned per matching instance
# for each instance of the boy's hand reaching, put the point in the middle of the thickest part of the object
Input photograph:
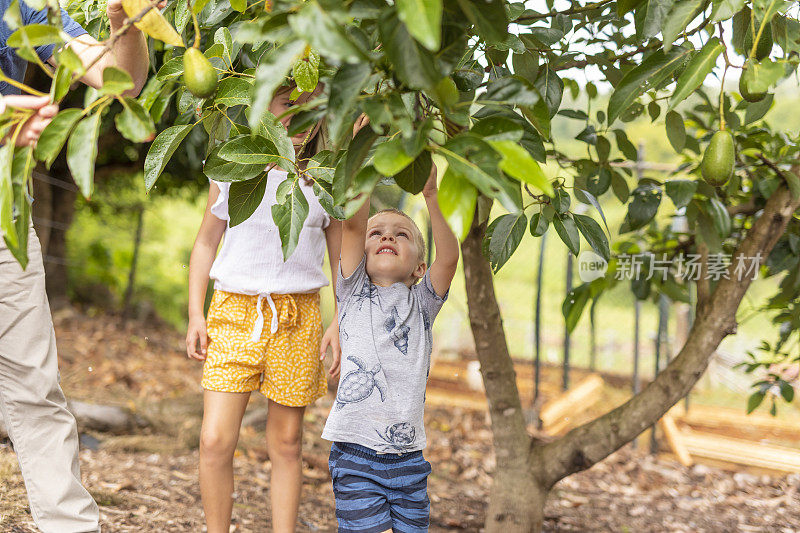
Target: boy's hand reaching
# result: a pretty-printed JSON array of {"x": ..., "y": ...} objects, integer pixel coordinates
[
  {"x": 331, "y": 338},
  {"x": 431, "y": 188},
  {"x": 196, "y": 332}
]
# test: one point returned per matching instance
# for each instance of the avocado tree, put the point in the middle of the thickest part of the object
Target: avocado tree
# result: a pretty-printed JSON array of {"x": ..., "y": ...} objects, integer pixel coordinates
[{"x": 474, "y": 84}]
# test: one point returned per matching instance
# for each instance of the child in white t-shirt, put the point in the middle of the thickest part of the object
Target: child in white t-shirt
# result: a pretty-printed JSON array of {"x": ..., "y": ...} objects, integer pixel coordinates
[{"x": 263, "y": 331}]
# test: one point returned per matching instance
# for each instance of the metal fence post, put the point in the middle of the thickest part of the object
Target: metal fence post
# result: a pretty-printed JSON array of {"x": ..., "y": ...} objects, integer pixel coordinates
[
  {"x": 537, "y": 324},
  {"x": 565, "y": 370}
]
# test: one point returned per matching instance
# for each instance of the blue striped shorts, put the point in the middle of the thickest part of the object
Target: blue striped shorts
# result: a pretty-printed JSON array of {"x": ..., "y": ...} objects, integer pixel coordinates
[{"x": 376, "y": 492}]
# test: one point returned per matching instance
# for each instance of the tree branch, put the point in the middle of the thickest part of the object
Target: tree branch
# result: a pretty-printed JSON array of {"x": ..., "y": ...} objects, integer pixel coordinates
[
  {"x": 592, "y": 442},
  {"x": 570, "y": 11}
]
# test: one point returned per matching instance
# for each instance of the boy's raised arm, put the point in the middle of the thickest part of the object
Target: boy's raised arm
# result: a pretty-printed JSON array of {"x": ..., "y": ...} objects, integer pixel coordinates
[
  {"x": 445, "y": 242},
  {"x": 354, "y": 229}
]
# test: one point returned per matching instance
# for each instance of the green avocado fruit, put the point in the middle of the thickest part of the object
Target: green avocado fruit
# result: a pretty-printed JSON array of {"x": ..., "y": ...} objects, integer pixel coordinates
[
  {"x": 747, "y": 83},
  {"x": 718, "y": 159},
  {"x": 764, "y": 43},
  {"x": 199, "y": 74}
]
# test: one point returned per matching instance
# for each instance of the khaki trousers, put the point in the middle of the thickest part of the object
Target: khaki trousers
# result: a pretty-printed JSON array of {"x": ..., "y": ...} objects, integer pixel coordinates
[{"x": 35, "y": 411}]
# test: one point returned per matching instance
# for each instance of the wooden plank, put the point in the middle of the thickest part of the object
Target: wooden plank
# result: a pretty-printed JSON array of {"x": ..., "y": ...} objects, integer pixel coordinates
[
  {"x": 721, "y": 417},
  {"x": 557, "y": 412},
  {"x": 743, "y": 452},
  {"x": 675, "y": 440},
  {"x": 466, "y": 400}
]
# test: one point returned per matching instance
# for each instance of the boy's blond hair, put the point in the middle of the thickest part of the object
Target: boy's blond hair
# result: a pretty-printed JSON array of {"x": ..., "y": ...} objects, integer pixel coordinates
[{"x": 419, "y": 240}]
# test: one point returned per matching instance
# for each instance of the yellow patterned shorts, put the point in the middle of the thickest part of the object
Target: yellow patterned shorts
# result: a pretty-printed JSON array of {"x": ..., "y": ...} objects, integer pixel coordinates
[{"x": 283, "y": 364}]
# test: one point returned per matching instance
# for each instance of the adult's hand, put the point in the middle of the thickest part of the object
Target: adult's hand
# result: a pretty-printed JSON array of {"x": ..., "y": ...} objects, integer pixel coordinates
[{"x": 33, "y": 127}]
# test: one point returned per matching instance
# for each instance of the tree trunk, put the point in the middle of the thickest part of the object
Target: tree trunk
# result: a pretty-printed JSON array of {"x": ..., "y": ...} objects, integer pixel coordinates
[
  {"x": 62, "y": 210},
  {"x": 514, "y": 486},
  {"x": 522, "y": 480}
]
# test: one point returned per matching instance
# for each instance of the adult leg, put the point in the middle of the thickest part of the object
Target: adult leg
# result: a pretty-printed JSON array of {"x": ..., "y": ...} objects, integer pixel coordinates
[
  {"x": 33, "y": 406},
  {"x": 222, "y": 418},
  {"x": 284, "y": 445}
]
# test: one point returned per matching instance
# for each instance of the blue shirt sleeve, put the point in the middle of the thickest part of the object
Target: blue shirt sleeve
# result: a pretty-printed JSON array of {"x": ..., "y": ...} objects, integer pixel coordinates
[{"x": 31, "y": 16}]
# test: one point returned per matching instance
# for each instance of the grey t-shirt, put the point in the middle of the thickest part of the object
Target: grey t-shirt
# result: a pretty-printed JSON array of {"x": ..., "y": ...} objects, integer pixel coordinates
[{"x": 386, "y": 340}]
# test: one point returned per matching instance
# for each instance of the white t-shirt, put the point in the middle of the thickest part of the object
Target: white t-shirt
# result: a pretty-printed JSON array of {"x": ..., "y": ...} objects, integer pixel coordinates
[{"x": 251, "y": 261}]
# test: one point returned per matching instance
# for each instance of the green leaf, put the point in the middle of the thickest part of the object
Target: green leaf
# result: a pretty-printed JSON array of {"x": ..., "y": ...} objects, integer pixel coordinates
[
  {"x": 35, "y": 35},
  {"x": 245, "y": 197},
  {"x": 497, "y": 128},
  {"x": 61, "y": 82},
  {"x": 676, "y": 130},
  {"x": 21, "y": 169},
  {"x": 551, "y": 87},
  {"x": 568, "y": 231},
  {"x": 653, "y": 70},
  {"x": 656, "y": 16},
  {"x": 593, "y": 234},
  {"x": 413, "y": 177},
  {"x": 757, "y": 110},
  {"x": 526, "y": 65},
  {"x": 519, "y": 164},
  {"x": 510, "y": 91},
  {"x": 681, "y": 191},
  {"x": 268, "y": 126},
  {"x": 198, "y": 6},
  {"x": 787, "y": 391},
  {"x": 289, "y": 217},
  {"x": 55, "y": 135},
  {"x": 423, "y": 19},
  {"x": 390, "y": 157},
  {"x": 270, "y": 73},
  {"x": 754, "y": 401},
  {"x": 489, "y": 17},
  {"x": 719, "y": 216},
  {"x": 561, "y": 201},
  {"x": 574, "y": 303},
  {"x": 725, "y": 9},
  {"x": 219, "y": 169},
  {"x": 161, "y": 151},
  {"x": 345, "y": 88},
  {"x": 82, "y": 153},
  {"x": 115, "y": 81},
  {"x": 477, "y": 161},
  {"x": 239, "y": 5},
  {"x": 592, "y": 200},
  {"x": 696, "y": 71},
  {"x": 356, "y": 155},
  {"x": 323, "y": 32},
  {"x": 67, "y": 57},
  {"x": 626, "y": 6},
  {"x": 683, "y": 12},
  {"x": 413, "y": 65},
  {"x": 233, "y": 91},
  {"x": 620, "y": 187},
  {"x": 539, "y": 117},
  {"x": 457, "y": 199},
  {"x": 7, "y": 195},
  {"x": 249, "y": 150},
  {"x": 505, "y": 238},
  {"x": 646, "y": 199},
  {"x": 134, "y": 123},
  {"x": 305, "y": 75},
  {"x": 171, "y": 69},
  {"x": 539, "y": 224}
]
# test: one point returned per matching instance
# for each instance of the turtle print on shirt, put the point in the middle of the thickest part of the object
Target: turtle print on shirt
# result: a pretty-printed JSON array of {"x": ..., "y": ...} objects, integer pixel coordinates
[{"x": 358, "y": 384}]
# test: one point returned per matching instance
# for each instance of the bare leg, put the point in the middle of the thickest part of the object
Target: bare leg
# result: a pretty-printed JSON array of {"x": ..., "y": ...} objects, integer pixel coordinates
[
  {"x": 284, "y": 444},
  {"x": 222, "y": 418}
]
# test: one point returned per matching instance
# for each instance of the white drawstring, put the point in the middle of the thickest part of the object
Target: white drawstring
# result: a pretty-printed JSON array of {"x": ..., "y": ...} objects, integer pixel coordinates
[{"x": 258, "y": 327}]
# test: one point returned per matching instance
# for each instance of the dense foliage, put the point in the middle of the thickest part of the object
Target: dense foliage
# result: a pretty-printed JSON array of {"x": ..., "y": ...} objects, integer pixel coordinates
[{"x": 474, "y": 84}]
